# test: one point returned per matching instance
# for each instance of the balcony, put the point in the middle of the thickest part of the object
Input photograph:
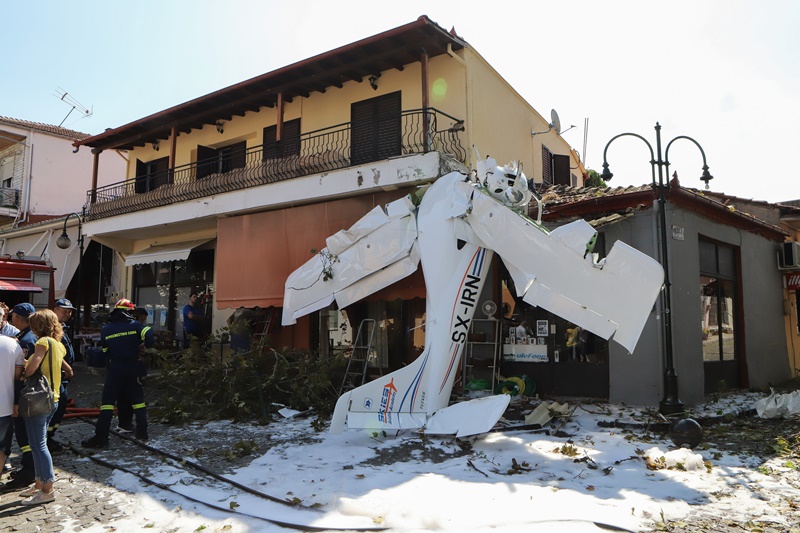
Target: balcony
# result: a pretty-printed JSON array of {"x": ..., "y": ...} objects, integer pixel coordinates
[
  {"x": 9, "y": 198},
  {"x": 333, "y": 148}
]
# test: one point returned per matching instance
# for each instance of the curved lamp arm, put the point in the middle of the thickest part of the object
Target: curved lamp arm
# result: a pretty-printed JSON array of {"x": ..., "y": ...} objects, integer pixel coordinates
[
  {"x": 706, "y": 175},
  {"x": 64, "y": 241},
  {"x": 607, "y": 175}
]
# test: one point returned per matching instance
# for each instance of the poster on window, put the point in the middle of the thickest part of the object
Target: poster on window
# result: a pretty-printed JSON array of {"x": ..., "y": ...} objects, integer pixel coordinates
[{"x": 541, "y": 328}]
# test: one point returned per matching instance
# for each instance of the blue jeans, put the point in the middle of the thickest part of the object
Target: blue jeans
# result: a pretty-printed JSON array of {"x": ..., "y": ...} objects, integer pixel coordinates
[{"x": 37, "y": 439}]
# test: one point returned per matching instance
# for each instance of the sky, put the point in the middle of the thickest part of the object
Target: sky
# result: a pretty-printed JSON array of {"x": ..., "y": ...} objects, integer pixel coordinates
[
  {"x": 569, "y": 480},
  {"x": 723, "y": 72}
]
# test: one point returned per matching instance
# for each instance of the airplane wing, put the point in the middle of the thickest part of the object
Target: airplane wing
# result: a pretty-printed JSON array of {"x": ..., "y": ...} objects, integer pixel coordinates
[
  {"x": 553, "y": 271},
  {"x": 374, "y": 253}
]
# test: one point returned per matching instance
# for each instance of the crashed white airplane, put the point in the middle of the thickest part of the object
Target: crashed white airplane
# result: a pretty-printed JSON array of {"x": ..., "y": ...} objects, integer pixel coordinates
[{"x": 461, "y": 220}]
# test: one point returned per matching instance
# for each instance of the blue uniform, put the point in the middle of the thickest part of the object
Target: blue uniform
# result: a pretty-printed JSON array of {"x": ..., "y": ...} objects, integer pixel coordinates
[{"x": 121, "y": 340}]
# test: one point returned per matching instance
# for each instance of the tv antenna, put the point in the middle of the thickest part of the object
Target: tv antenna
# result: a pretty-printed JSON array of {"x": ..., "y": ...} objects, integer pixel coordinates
[
  {"x": 555, "y": 124},
  {"x": 65, "y": 97}
]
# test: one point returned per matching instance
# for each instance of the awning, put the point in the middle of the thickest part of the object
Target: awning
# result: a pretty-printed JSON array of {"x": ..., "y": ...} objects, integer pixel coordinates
[
  {"x": 16, "y": 285},
  {"x": 178, "y": 251}
]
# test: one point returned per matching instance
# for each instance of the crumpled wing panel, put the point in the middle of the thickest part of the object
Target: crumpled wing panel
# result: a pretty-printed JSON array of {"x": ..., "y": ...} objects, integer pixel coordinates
[
  {"x": 613, "y": 300},
  {"x": 378, "y": 241}
]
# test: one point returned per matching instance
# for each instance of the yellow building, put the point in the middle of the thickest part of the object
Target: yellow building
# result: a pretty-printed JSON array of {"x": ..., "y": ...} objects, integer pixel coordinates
[{"x": 228, "y": 193}]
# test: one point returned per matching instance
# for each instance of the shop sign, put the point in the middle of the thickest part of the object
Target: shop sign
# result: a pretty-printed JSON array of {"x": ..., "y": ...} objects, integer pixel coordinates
[{"x": 793, "y": 281}]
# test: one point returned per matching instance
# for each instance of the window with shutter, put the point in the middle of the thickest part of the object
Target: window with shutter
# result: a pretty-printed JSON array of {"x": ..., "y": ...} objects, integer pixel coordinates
[
  {"x": 376, "y": 131},
  {"x": 547, "y": 172},
  {"x": 152, "y": 174},
  {"x": 290, "y": 143},
  {"x": 561, "y": 174},
  {"x": 214, "y": 161}
]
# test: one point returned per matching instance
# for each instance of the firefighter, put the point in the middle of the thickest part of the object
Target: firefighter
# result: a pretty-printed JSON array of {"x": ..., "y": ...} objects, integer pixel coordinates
[{"x": 123, "y": 340}]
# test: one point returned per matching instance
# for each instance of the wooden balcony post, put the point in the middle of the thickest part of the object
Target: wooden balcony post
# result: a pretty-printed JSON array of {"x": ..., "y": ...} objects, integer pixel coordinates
[{"x": 425, "y": 102}]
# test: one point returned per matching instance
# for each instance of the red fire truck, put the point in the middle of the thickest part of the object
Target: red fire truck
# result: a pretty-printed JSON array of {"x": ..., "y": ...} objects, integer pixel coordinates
[{"x": 24, "y": 279}]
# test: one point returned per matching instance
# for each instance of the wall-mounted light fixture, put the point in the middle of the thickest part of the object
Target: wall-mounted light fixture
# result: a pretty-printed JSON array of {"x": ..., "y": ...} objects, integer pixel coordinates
[
  {"x": 218, "y": 124},
  {"x": 373, "y": 81},
  {"x": 155, "y": 145}
]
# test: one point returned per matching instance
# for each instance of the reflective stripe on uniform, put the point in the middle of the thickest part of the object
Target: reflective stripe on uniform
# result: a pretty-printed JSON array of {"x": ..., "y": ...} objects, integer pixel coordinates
[
  {"x": 25, "y": 449},
  {"x": 106, "y": 407},
  {"x": 144, "y": 331},
  {"x": 105, "y": 349},
  {"x": 120, "y": 334},
  {"x": 139, "y": 406}
]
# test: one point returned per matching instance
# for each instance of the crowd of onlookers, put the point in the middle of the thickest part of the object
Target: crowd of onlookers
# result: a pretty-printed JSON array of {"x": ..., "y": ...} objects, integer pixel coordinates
[{"x": 37, "y": 341}]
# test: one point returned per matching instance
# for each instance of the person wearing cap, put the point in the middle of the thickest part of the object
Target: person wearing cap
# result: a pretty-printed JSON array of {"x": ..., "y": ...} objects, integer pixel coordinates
[
  {"x": 63, "y": 309},
  {"x": 23, "y": 477},
  {"x": 122, "y": 340}
]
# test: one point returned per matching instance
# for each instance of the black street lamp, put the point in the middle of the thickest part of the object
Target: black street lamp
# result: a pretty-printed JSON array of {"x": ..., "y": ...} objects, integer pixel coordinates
[
  {"x": 670, "y": 404},
  {"x": 65, "y": 242}
]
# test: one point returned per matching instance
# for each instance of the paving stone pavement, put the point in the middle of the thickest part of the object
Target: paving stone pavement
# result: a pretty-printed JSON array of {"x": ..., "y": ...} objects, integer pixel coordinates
[{"x": 83, "y": 498}]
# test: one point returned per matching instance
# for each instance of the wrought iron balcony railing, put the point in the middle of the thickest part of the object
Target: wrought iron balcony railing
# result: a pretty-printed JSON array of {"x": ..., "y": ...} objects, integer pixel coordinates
[{"x": 231, "y": 168}]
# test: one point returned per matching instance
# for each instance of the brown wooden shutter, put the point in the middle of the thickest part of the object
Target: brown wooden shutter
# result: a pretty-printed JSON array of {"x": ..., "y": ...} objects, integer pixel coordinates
[
  {"x": 159, "y": 172},
  {"x": 270, "y": 136},
  {"x": 237, "y": 156},
  {"x": 561, "y": 170},
  {"x": 375, "y": 126},
  {"x": 206, "y": 161},
  {"x": 141, "y": 177},
  {"x": 547, "y": 169}
]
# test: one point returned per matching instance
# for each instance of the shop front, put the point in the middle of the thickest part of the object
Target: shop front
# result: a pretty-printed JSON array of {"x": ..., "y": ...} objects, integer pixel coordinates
[{"x": 163, "y": 289}]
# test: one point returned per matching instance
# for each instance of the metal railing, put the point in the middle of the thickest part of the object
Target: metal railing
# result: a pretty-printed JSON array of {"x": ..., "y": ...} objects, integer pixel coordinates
[
  {"x": 10, "y": 198},
  {"x": 314, "y": 152}
]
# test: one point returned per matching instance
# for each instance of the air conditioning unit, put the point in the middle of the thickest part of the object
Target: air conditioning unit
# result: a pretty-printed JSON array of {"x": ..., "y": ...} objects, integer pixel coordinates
[{"x": 791, "y": 254}]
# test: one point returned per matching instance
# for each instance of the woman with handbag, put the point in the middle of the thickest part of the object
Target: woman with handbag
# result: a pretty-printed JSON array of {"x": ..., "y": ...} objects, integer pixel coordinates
[{"x": 47, "y": 360}]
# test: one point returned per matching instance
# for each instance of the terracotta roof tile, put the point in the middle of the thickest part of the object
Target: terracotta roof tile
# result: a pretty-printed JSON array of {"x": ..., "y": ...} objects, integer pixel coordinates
[{"x": 44, "y": 128}]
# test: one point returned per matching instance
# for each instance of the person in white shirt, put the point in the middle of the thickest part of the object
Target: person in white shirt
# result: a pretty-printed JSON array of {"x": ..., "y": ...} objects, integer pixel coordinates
[
  {"x": 12, "y": 364},
  {"x": 522, "y": 332}
]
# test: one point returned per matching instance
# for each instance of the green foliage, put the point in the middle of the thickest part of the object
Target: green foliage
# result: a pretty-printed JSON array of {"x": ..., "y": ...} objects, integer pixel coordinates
[
  {"x": 594, "y": 180},
  {"x": 198, "y": 383}
]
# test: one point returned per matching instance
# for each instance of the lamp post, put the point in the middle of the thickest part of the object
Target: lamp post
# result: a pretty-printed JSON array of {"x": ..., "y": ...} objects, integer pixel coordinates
[
  {"x": 670, "y": 404},
  {"x": 65, "y": 242}
]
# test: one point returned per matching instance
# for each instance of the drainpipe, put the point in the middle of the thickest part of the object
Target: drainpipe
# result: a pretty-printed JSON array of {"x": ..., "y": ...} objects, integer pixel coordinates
[
  {"x": 468, "y": 89},
  {"x": 27, "y": 185}
]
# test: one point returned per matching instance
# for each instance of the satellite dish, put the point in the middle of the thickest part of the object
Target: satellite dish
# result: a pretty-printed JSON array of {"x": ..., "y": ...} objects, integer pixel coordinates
[
  {"x": 489, "y": 308},
  {"x": 555, "y": 122}
]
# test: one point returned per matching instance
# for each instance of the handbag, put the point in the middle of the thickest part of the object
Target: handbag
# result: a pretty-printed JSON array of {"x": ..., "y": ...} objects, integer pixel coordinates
[{"x": 37, "y": 397}]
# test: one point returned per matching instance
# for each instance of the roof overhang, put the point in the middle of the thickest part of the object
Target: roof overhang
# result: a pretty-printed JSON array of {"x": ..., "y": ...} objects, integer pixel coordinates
[{"x": 392, "y": 49}]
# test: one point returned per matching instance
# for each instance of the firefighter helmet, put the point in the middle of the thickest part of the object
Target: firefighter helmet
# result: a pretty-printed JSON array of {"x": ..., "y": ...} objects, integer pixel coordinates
[{"x": 125, "y": 305}]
